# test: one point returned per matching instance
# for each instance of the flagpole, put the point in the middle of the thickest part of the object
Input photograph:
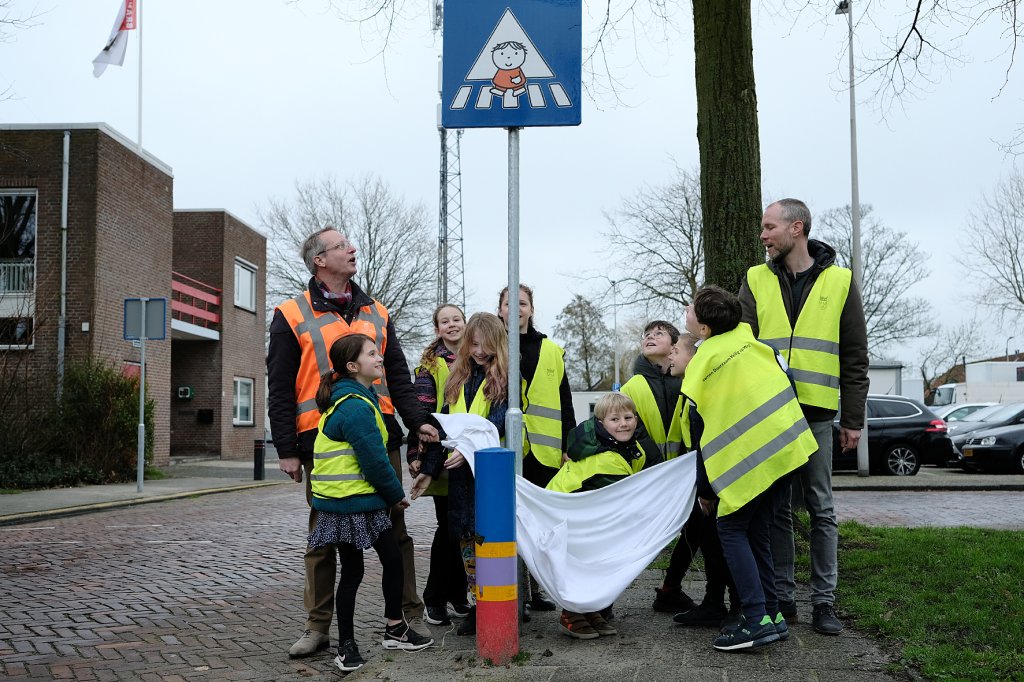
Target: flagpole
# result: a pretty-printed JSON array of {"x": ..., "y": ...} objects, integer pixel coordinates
[{"x": 138, "y": 22}]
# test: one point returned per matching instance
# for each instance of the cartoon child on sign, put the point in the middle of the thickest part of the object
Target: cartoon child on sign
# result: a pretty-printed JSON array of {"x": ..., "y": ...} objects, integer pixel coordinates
[{"x": 509, "y": 57}]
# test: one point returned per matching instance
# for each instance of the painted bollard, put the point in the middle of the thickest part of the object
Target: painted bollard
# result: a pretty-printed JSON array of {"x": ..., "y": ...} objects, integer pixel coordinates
[{"x": 497, "y": 613}]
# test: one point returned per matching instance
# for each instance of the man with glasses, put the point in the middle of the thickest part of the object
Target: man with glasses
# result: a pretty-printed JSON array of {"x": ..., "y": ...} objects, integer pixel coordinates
[
  {"x": 301, "y": 334},
  {"x": 809, "y": 309}
]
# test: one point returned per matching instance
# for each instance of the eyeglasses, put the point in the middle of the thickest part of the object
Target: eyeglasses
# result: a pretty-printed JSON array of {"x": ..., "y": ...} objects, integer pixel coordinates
[
  {"x": 343, "y": 245},
  {"x": 654, "y": 334}
]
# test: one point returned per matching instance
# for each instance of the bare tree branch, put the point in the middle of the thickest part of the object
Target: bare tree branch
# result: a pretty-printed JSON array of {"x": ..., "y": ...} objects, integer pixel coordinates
[
  {"x": 891, "y": 265},
  {"x": 397, "y": 260},
  {"x": 995, "y": 249},
  {"x": 588, "y": 343},
  {"x": 656, "y": 237}
]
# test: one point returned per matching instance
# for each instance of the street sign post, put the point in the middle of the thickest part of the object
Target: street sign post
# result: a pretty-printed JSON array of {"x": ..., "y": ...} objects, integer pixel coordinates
[
  {"x": 144, "y": 318},
  {"x": 511, "y": 63}
]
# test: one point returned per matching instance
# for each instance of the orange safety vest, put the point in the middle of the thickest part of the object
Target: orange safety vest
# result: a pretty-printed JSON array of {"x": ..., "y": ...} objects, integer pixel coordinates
[{"x": 316, "y": 332}]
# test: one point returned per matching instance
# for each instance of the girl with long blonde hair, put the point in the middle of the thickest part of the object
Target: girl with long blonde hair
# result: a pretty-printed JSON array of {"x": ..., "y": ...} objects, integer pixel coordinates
[{"x": 477, "y": 384}]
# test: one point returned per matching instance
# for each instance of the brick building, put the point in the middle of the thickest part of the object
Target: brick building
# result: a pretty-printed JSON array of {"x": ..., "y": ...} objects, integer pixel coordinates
[{"x": 115, "y": 235}]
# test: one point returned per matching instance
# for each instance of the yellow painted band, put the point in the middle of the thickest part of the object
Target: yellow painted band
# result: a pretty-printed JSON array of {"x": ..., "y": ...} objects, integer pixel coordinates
[
  {"x": 496, "y": 593},
  {"x": 496, "y": 550}
]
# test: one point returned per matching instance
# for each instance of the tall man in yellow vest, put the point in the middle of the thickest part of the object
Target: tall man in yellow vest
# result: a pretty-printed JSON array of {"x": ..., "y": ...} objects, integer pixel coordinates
[
  {"x": 810, "y": 310},
  {"x": 301, "y": 334}
]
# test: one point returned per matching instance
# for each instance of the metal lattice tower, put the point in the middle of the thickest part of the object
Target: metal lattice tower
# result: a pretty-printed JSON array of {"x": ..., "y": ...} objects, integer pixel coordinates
[{"x": 451, "y": 281}]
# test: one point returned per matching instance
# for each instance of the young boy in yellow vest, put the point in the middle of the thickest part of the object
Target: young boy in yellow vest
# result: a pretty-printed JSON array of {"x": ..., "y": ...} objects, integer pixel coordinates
[
  {"x": 701, "y": 530},
  {"x": 754, "y": 435},
  {"x": 602, "y": 450},
  {"x": 655, "y": 392}
]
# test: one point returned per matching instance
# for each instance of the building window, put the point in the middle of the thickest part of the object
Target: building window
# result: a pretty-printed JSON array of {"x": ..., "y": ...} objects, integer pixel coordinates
[
  {"x": 241, "y": 402},
  {"x": 245, "y": 285},
  {"x": 17, "y": 267}
]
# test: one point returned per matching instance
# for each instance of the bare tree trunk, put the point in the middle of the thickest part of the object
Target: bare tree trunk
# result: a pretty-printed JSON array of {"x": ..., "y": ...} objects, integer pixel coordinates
[{"x": 730, "y": 159}]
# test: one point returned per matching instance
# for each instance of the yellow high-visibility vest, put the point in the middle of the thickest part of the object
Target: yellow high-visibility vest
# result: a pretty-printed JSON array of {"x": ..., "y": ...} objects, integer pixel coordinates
[
  {"x": 316, "y": 332},
  {"x": 542, "y": 415},
  {"x": 754, "y": 429},
  {"x": 336, "y": 473},
  {"x": 573, "y": 473},
  {"x": 640, "y": 391},
  {"x": 811, "y": 347}
]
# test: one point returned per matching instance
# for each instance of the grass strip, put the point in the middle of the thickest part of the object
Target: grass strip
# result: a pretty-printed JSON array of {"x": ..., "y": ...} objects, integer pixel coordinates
[{"x": 949, "y": 601}]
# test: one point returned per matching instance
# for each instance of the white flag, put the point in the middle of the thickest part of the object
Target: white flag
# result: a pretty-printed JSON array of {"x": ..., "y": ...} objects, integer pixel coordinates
[{"x": 113, "y": 52}]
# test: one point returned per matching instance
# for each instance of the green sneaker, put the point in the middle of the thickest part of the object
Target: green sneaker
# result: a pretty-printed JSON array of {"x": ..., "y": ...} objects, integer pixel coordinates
[
  {"x": 781, "y": 628},
  {"x": 748, "y": 635}
]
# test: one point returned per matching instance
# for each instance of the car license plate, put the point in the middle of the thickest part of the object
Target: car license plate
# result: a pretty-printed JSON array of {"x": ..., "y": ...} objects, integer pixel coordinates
[{"x": 968, "y": 453}]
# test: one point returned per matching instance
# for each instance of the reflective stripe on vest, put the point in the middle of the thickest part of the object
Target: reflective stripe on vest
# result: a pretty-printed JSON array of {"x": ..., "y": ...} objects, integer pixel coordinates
[
  {"x": 336, "y": 473},
  {"x": 754, "y": 429},
  {"x": 812, "y": 347},
  {"x": 573, "y": 473},
  {"x": 542, "y": 415},
  {"x": 315, "y": 333},
  {"x": 640, "y": 391}
]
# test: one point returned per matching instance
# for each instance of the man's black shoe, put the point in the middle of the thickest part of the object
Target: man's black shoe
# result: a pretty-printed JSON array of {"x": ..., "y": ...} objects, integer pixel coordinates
[
  {"x": 705, "y": 614},
  {"x": 824, "y": 620},
  {"x": 787, "y": 609}
]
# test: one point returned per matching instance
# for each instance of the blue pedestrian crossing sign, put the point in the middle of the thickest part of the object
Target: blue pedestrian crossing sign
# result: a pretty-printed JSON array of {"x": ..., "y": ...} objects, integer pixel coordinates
[{"x": 511, "y": 63}]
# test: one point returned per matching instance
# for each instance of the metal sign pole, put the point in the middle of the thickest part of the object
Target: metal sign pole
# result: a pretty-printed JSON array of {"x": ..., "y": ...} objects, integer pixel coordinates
[
  {"x": 514, "y": 416},
  {"x": 141, "y": 459}
]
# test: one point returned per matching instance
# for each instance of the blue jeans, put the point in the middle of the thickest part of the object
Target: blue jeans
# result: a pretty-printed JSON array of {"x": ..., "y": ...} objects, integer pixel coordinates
[
  {"x": 746, "y": 542},
  {"x": 815, "y": 481}
]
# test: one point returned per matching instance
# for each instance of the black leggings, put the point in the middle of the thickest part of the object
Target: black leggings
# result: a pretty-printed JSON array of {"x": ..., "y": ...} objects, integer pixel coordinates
[
  {"x": 352, "y": 575},
  {"x": 446, "y": 581},
  {"x": 701, "y": 533}
]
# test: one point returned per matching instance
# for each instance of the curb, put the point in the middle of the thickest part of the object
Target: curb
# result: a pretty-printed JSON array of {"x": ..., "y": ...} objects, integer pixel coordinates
[
  {"x": 997, "y": 487},
  {"x": 25, "y": 517}
]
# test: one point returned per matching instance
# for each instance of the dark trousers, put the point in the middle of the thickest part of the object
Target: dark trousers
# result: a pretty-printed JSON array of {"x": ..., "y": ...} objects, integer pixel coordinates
[
  {"x": 446, "y": 581},
  {"x": 701, "y": 533},
  {"x": 352, "y": 575},
  {"x": 746, "y": 543}
]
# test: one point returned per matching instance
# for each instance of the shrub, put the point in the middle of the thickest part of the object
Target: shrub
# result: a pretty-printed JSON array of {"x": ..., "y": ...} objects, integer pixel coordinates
[
  {"x": 99, "y": 416},
  {"x": 91, "y": 436}
]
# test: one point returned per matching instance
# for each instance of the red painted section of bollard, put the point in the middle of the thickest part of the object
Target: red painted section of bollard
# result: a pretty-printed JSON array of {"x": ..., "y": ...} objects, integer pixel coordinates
[{"x": 497, "y": 630}]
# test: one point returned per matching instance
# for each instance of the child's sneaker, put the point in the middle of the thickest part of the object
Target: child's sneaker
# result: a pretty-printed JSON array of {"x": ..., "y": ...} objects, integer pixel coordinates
[
  {"x": 708, "y": 614},
  {"x": 748, "y": 635},
  {"x": 437, "y": 615},
  {"x": 460, "y": 610},
  {"x": 781, "y": 628},
  {"x": 401, "y": 636},
  {"x": 348, "y": 658},
  {"x": 600, "y": 625},
  {"x": 468, "y": 625},
  {"x": 576, "y": 625},
  {"x": 671, "y": 601}
]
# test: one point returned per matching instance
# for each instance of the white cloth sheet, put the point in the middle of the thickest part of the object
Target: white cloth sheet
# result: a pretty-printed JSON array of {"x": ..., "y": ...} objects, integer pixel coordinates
[{"x": 586, "y": 548}]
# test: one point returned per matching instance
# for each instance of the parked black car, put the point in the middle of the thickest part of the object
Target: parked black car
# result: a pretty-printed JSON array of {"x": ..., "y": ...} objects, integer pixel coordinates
[
  {"x": 1006, "y": 415},
  {"x": 903, "y": 434},
  {"x": 997, "y": 449}
]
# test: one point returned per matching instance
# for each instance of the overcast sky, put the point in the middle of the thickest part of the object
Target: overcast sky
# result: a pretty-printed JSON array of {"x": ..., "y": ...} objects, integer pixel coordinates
[{"x": 242, "y": 99}]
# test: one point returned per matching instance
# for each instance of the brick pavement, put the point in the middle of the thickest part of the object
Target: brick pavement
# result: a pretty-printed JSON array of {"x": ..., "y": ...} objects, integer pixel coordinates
[
  {"x": 211, "y": 588},
  {"x": 948, "y": 508},
  {"x": 203, "y": 588}
]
